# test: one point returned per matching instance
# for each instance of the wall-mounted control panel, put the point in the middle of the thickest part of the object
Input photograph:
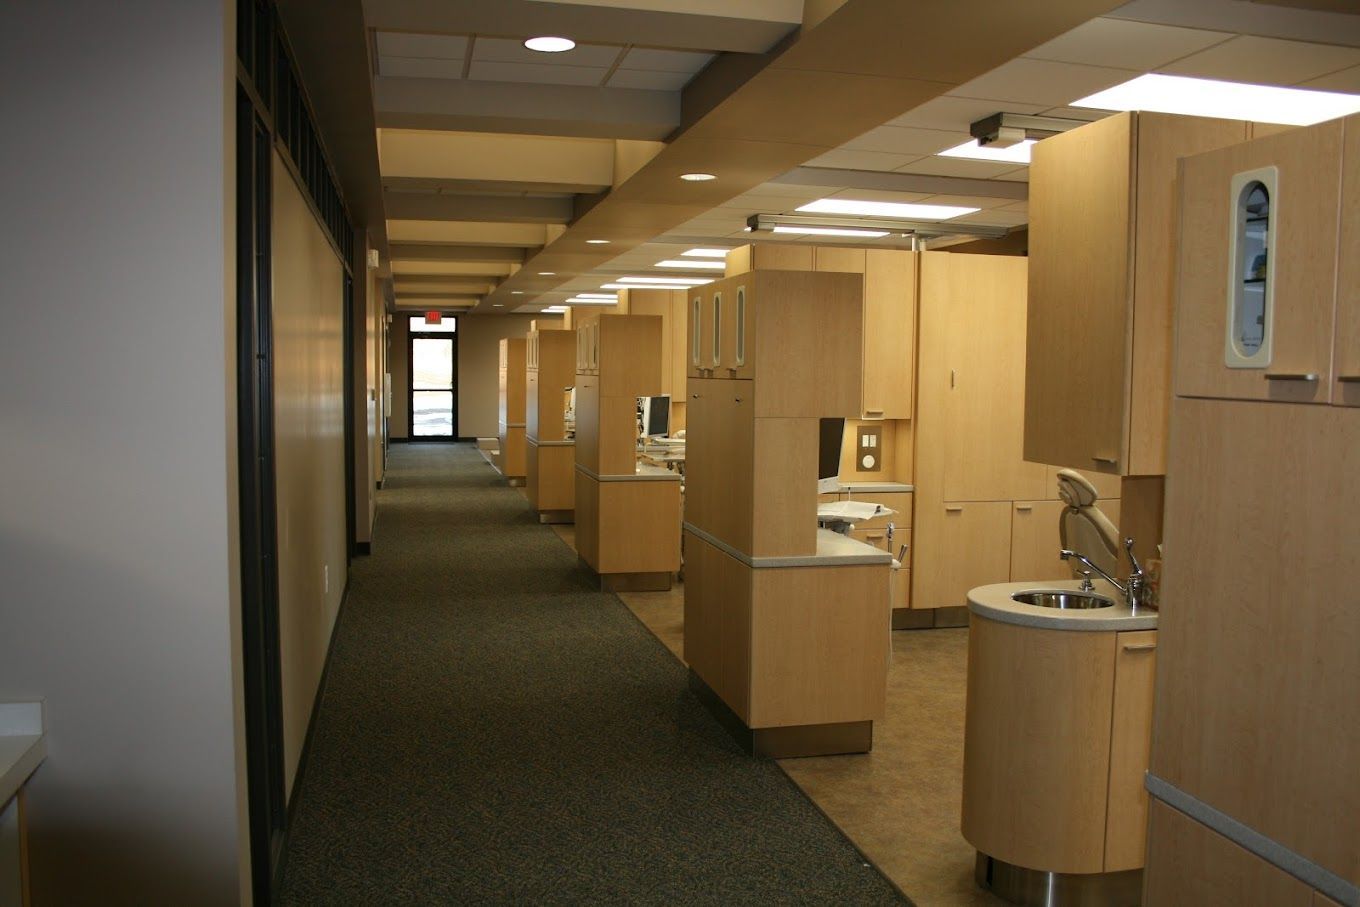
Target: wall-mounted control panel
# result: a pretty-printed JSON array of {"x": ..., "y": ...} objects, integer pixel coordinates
[{"x": 869, "y": 448}]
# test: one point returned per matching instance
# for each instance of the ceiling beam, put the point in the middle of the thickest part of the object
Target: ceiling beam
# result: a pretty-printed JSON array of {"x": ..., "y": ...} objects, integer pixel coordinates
[
  {"x": 904, "y": 182},
  {"x": 479, "y": 156},
  {"x": 836, "y": 81},
  {"x": 508, "y": 209},
  {"x": 418, "y": 251},
  {"x": 587, "y": 24},
  {"x": 469, "y": 233},
  {"x": 522, "y": 108}
]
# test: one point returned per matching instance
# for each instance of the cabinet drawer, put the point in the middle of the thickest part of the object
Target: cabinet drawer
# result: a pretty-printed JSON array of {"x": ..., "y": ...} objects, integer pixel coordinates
[{"x": 879, "y": 539}]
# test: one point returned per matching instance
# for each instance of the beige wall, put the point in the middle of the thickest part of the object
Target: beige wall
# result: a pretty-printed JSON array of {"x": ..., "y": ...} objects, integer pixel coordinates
[
  {"x": 479, "y": 339},
  {"x": 309, "y": 412},
  {"x": 118, "y": 543}
]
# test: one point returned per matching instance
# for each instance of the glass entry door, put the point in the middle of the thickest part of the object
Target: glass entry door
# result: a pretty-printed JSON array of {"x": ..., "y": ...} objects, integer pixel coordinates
[{"x": 433, "y": 414}]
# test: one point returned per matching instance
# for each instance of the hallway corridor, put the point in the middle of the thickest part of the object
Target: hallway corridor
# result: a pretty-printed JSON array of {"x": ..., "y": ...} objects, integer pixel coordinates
[{"x": 494, "y": 730}]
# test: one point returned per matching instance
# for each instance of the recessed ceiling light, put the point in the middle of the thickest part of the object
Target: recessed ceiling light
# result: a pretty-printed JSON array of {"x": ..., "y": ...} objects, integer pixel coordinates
[
  {"x": 704, "y": 253},
  {"x": 554, "y": 309},
  {"x": 596, "y": 296},
  {"x": 1225, "y": 100},
  {"x": 697, "y": 177},
  {"x": 689, "y": 281},
  {"x": 648, "y": 286},
  {"x": 547, "y": 273},
  {"x": 831, "y": 231},
  {"x": 549, "y": 44},
  {"x": 516, "y": 292},
  {"x": 598, "y": 242},
  {"x": 697, "y": 263},
  {"x": 1015, "y": 154},
  {"x": 885, "y": 209},
  {"x": 497, "y": 305}
]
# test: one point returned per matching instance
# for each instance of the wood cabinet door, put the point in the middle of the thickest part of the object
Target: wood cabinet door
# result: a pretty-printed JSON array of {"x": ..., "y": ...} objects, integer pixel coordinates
[
  {"x": 588, "y": 422},
  {"x": 982, "y": 298},
  {"x": 1346, "y": 358},
  {"x": 1300, "y": 260},
  {"x": 889, "y": 334},
  {"x": 1034, "y": 542},
  {"x": 533, "y": 398},
  {"x": 718, "y": 460},
  {"x": 959, "y": 546},
  {"x": 1135, "y": 662},
  {"x": 679, "y": 331},
  {"x": 1080, "y": 245}
]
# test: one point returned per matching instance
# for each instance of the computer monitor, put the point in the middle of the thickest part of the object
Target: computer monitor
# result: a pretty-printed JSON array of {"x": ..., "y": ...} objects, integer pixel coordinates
[
  {"x": 655, "y": 415},
  {"x": 830, "y": 433}
]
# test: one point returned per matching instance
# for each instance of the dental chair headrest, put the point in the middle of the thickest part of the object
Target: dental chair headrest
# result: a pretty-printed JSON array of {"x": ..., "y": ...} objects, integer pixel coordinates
[{"x": 1075, "y": 489}]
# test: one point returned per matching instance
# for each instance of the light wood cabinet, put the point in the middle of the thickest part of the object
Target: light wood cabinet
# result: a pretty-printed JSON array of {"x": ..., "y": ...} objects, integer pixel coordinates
[
  {"x": 1189, "y": 863},
  {"x": 1346, "y": 356},
  {"x": 668, "y": 305},
  {"x": 550, "y": 371},
  {"x": 511, "y": 394},
  {"x": 1298, "y": 267},
  {"x": 1055, "y": 746},
  {"x": 1102, "y": 237},
  {"x": 959, "y": 546},
  {"x": 1036, "y": 539}
]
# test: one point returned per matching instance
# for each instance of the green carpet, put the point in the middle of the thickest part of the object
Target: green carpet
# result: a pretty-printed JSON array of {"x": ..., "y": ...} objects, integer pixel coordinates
[{"x": 495, "y": 730}]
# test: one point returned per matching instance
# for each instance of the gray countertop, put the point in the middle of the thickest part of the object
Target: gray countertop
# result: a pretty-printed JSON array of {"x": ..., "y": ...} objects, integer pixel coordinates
[
  {"x": 833, "y": 550},
  {"x": 875, "y": 487},
  {"x": 995, "y": 602},
  {"x": 643, "y": 472},
  {"x": 23, "y": 745}
]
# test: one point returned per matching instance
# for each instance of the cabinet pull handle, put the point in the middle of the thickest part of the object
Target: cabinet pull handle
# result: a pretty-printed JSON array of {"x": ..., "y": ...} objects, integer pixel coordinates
[
  {"x": 1348, "y": 379},
  {"x": 1291, "y": 376},
  {"x": 1113, "y": 461},
  {"x": 694, "y": 396},
  {"x": 873, "y": 412},
  {"x": 1024, "y": 508},
  {"x": 953, "y": 508},
  {"x": 951, "y": 379},
  {"x": 1142, "y": 647}
]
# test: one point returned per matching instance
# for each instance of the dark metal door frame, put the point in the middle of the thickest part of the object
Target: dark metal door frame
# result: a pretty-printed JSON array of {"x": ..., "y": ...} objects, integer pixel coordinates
[{"x": 411, "y": 337}]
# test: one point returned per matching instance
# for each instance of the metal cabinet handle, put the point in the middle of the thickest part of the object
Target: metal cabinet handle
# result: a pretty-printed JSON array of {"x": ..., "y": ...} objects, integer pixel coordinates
[
  {"x": 953, "y": 508},
  {"x": 1291, "y": 376},
  {"x": 1113, "y": 461},
  {"x": 1348, "y": 379},
  {"x": 1144, "y": 647},
  {"x": 1024, "y": 508}
]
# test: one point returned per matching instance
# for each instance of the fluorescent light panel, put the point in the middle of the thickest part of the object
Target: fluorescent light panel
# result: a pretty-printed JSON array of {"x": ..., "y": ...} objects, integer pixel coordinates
[
  {"x": 646, "y": 286},
  {"x": 1015, "y": 154},
  {"x": 831, "y": 231},
  {"x": 554, "y": 309},
  {"x": 884, "y": 209},
  {"x": 1225, "y": 100},
  {"x": 704, "y": 253},
  {"x": 696, "y": 263},
  {"x": 607, "y": 296},
  {"x": 688, "y": 281}
]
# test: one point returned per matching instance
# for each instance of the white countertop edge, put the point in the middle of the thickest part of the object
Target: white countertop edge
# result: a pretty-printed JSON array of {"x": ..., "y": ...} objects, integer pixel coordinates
[
  {"x": 23, "y": 744},
  {"x": 833, "y": 549},
  {"x": 659, "y": 475},
  {"x": 995, "y": 602}
]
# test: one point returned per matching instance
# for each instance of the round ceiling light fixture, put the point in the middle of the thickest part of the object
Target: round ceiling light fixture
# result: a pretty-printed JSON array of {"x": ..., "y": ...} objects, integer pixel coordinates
[
  {"x": 547, "y": 273},
  {"x": 697, "y": 177},
  {"x": 597, "y": 242},
  {"x": 516, "y": 292},
  {"x": 549, "y": 44}
]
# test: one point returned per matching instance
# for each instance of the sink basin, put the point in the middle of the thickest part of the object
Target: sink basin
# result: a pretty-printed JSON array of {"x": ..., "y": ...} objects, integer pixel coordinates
[{"x": 1067, "y": 601}]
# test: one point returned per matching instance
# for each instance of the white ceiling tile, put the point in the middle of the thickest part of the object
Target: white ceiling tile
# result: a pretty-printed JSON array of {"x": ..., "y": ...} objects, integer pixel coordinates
[
  {"x": 665, "y": 60},
  {"x": 903, "y": 140},
  {"x": 994, "y": 217},
  {"x": 1022, "y": 207},
  {"x": 861, "y": 160},
  {"x": 1041, "y": 82},
  {"x": 789, "y": 190},
  {"x": 1126, "y": 45},
  {"x": 953, "y": 166},
  {"x": 1347, "y": 80},
  {"x": 956, "y": 114},
  {"x": 1089, "y": 114},
  {"x": 528, "y": 72},
  {"x": 510, "y": 50},
  {"x": 968, "y": 201},
  {"x": 649, "y": 80},
  {"x": 440, "y": 47},
  {"x": 1266, "y": 61},
  {"x": 1018, "y": 175},
  {"x": 877, "y": 195},
  {"x": 419, "y": 68}
]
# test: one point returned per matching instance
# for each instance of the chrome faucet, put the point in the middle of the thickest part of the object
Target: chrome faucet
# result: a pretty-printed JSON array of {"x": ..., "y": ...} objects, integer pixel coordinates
[{"x": 1131, "y": 589}]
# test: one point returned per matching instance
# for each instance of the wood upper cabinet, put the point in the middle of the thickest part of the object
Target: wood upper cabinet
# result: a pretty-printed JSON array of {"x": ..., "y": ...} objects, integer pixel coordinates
[
  {"x": 889, "y": 334},
  {"x": 663, "y": 304},
  {"x": 1102, "y": 236},
  {"x": 550, "y": 370},
  {"x": 511, "y": 380},
  {"x": 1346, "y": 356},
  {"x": 1258, "y": 268}
]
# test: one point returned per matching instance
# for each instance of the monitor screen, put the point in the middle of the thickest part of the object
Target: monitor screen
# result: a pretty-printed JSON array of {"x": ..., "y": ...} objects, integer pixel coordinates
[
  {"x": 831, "y": 431},
  {"x": 656, "y": 416}
]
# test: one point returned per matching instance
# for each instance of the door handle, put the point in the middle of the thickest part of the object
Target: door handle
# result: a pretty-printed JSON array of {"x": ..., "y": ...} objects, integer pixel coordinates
[
  {"x": 1144, "y": 647},
  {"x": 1024, "y": 508}
]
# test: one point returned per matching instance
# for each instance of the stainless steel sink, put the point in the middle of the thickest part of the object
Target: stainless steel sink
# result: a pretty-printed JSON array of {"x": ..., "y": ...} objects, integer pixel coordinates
[{"x": 1067, "y": 601}]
